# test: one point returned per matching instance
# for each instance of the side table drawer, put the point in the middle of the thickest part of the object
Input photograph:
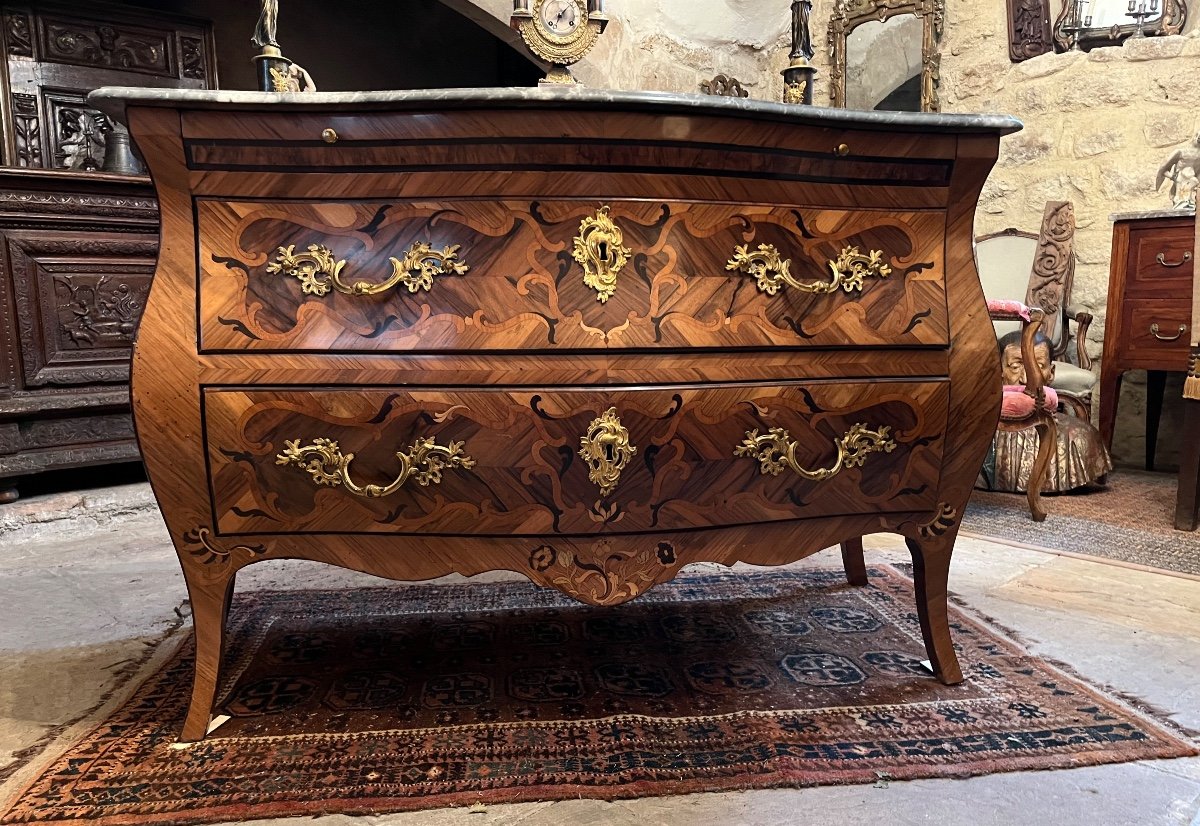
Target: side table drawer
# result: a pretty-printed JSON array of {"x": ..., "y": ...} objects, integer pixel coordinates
[
  {"x": 1156, "y": 334},
  {"x": 369, "y": 276},
  {"x": 1160, "y": 261},
  {"x": 479, "y": 462}
]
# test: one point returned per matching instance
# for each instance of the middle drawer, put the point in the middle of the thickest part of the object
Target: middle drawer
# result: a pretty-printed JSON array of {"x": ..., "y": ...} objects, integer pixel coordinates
[
  {"x": 569, "y": 461},
  {"x": 564, "y": 275}
]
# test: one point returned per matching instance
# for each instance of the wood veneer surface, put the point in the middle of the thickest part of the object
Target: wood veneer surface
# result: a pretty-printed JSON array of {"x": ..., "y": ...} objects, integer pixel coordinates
[{"x": 514, "y": 358}]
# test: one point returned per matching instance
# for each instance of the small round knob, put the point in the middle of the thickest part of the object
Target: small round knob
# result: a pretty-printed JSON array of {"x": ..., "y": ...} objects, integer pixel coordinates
[
  {"x": 842, "y": 150},
  {"x": 329, "y": 136}
]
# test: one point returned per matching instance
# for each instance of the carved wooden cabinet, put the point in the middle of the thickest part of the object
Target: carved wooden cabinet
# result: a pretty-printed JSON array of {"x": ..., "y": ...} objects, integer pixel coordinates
[
  {"x": 77, "y": 256},
  {"x": 587, "y": 336},
  {"x": 55, "y": 53},
  {"x": 78, "y": 245}
]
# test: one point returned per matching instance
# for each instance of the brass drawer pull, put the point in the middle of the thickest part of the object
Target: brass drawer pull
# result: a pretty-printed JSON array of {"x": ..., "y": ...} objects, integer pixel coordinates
[
  {"x": 329, "y": 135},
  {"x": 423, "y": 462},
  {"x": 318, "y": 271},
  {"x": 771, "y": 271},
  {"x": 606, "y": 449},
  {"x": 1162, "y": 259},
  {"x": 599, "y": 249},
  {"x": 1154, "y": 330},
  {"x": 776, "y": 450}
]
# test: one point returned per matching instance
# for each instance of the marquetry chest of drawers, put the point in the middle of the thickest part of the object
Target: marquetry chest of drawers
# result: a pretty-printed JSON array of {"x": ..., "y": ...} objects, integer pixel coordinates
[{"x": 587, "y": 336}]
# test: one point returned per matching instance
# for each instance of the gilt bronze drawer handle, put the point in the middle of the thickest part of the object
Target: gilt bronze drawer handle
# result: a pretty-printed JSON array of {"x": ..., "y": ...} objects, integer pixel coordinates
[
  {"x": 776, "y": 450},
  {"x": 423, "y": 462},
  {"x": 1154, "y": 330},
  {"x": 318, "y": 271},
  {"x": 606, "y": 449},
  {"x": 1162, "y": 259},
  {"x": 600, "y": 250},
  {"x": 772, "y": 271}
]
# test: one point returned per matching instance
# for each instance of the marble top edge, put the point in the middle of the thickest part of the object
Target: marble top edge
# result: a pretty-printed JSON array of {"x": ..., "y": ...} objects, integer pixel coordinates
[
  {"x": 1152, "y": 213},
  {"x": 112, "y": 100}
]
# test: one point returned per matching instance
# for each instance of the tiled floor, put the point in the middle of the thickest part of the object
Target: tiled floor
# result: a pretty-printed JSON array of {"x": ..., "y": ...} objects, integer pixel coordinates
[{"x": 81, "y": 595}]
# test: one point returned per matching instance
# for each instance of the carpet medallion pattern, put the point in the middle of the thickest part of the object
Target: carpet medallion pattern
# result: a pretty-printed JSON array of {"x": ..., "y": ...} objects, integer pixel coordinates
[{"x": 425, "y": 696}]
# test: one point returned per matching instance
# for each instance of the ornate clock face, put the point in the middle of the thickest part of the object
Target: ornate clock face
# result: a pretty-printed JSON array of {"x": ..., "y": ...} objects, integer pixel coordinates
[
  {"x": 560, "y": 17},
  {"x": 559, "y": 32}
]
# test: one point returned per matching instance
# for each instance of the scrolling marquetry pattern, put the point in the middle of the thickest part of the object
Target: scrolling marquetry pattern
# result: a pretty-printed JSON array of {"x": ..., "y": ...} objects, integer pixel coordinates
[
  {"x": 610, "y": 577},
  {"x": 526, "y": 474},
  {"x": 201, "y": 546},
  {"x": 527, "y": 289}
]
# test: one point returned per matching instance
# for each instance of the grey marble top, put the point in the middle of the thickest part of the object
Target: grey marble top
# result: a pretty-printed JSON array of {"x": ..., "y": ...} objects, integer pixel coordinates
[
  {"x": 112, "y": 100},
  {"x": 1152, "y": 213}
]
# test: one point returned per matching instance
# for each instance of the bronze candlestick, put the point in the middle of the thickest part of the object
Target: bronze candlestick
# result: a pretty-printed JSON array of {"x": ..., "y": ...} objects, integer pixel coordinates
[{"x": 798, "y": 76}]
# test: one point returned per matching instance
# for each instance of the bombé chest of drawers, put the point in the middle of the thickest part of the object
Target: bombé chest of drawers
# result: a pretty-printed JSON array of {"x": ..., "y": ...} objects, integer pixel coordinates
[{"x": 587, "y": 336}]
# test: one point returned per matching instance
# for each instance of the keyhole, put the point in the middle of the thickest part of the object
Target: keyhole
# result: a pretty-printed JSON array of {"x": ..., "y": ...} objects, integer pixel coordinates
[
  {"x": 609, "y": 453},
  {"x": 603, "y": 250}
]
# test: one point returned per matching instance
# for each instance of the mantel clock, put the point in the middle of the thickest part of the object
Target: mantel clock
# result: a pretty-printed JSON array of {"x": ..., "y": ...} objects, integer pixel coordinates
[{"x": 560, "y": 32}]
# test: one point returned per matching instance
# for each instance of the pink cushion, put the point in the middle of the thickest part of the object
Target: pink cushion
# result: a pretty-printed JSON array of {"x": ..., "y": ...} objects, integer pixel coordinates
[
  {"x": 1007, "y": 308},
  {"x": 1018, "y": 405}
]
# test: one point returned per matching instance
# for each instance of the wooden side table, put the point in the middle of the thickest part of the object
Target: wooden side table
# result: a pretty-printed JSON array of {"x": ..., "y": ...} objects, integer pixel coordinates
[{"x": 1149, "y": 321}]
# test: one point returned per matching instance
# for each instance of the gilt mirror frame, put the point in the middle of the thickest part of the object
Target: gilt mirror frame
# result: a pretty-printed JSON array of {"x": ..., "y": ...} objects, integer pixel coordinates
[
  {"x": 1171, "y": 21},
  {"x": 849, "y": 14}
]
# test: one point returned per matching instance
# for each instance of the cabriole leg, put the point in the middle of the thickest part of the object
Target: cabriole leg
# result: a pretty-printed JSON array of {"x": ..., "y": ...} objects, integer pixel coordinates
[
  {"x": 1047, "y": 432},
  {"x": 931, "y": 568},
  {"x": 210, "y": 608},
  {"x": 852, "y": 559}
]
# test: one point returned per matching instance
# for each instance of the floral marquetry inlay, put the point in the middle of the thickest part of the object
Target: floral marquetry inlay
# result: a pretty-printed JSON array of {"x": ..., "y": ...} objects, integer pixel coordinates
[{"x": 610, "y": 577}]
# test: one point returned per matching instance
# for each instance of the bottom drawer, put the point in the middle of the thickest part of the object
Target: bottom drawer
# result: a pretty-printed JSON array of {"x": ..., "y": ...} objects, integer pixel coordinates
[
  {"x": 1156, "y": 334},
  {"x": 478, "y": 462}
]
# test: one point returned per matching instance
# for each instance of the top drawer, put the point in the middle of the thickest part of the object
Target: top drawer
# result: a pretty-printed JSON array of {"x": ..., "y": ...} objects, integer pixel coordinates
[
  {"x": 370, "y": 276},
  {"x": 1160, "y": 259}
]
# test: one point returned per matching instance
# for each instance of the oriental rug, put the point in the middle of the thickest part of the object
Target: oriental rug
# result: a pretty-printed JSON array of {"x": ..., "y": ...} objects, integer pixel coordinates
[
  {"x": 409, "y": 697},
  {"x": 1132, "y": 520}
]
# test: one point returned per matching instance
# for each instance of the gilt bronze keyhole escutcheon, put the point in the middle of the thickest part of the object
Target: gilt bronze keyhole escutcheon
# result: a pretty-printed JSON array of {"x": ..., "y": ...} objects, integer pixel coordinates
[
  {"x": 600, "y": 250},
  {"x": 606, "y": 449}
]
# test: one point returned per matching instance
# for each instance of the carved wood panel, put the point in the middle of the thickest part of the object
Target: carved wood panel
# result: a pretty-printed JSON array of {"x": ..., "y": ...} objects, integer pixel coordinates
[
  {"x": 1029, "y": 31},
  {"x": 101, "y": 44},
  {"x": 27, "y": 131},
  {"x": 18, "y": 33},
  {"x": 570, "y": 462},
  {"x": 524, "y": 289},
  {"x": 77, "y": 133},
  {"x": 78, "y": 300},
  {"x": 58, "y": 52}
]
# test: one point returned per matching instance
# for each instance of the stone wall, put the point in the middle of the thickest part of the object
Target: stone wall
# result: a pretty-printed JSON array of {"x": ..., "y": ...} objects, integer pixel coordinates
[
  {"x": 1097, "y": 128},
  {"x": 1097, "y": 125}
]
